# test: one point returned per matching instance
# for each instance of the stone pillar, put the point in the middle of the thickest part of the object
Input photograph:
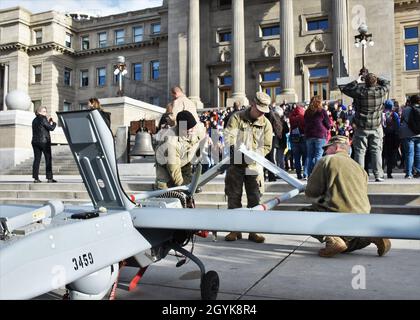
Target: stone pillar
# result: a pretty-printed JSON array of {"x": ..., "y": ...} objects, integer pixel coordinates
[
  {"x": 340, "y": 39},
  {"x": 287, "y": 53},
  {"x": 238, "y": 59},
  {"x": 194, "y": 53},
  {"x": 5, "y": 85}
]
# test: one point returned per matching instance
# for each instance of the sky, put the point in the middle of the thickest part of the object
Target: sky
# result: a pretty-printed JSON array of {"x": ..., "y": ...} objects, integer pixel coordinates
[{"x": 91, "y": 7}]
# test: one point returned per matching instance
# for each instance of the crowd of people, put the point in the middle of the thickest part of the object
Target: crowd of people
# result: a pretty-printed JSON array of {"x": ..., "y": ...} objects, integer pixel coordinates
[{"x": 300, "y": 130}]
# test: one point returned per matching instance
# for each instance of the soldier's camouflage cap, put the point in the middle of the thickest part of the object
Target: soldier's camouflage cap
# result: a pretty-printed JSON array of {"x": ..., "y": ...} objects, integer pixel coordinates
[
  {"x": 262, "y": 100},
  {"x": 336, "y": 139}
]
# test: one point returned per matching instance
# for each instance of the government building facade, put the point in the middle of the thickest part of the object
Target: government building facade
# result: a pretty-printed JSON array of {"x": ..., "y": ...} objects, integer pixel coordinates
[{"x": 218, "y": 51}]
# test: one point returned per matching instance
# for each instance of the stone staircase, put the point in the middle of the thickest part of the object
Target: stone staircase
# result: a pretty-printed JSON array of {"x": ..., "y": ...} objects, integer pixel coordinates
[
  {"x": 392, "y": 196},
  {"x": 62, "y": 159},
  {"x": 398, "y": 196}
]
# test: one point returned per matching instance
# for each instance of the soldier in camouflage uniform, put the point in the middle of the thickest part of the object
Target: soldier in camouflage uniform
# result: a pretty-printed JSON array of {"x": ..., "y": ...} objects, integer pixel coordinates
[
  {"x": 253, "y": 129},
  {"x": 340, "y": 184},
  {"x": 175, "y": 149}
]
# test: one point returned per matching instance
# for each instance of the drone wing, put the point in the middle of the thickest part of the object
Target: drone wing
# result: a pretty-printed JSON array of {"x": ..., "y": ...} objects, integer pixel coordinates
[{"x": 281, "y": 222}]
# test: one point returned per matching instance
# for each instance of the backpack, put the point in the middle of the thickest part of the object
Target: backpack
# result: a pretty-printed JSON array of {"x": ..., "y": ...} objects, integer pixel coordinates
[{"x": 414, "y": 119}]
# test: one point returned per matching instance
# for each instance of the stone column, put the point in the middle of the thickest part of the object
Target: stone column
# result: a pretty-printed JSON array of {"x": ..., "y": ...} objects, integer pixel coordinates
[
  {"x": 194, "y": 53},
  {"x": 287, "y": 53},
  {"x": 340, "y": 39},
  {"x": 238, "y": 59},
  {"x": 5, "y": 85}
]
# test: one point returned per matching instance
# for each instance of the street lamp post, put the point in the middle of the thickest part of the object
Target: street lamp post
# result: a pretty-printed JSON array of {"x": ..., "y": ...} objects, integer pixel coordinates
[
  {"x": 363, "y": 39},
  {"x": 120, "y": 70}
]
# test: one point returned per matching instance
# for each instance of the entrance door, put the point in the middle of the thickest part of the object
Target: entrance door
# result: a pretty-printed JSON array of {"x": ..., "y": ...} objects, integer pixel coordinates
[
  {"x": 320, "y": 88},
  {"x": 224, "y": 94}
]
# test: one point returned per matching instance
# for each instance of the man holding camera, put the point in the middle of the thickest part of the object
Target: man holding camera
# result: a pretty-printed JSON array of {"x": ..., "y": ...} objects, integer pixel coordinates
[{"x": 368, "y": 99}]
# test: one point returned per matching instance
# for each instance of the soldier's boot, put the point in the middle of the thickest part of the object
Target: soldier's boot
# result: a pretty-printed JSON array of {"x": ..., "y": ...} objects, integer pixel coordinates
[
  {"x": 256, "y": 238},
  {"x": 233, "y": 236},
  {"x": 383, "y": 245},
  {"x": 333, "y": 246}
]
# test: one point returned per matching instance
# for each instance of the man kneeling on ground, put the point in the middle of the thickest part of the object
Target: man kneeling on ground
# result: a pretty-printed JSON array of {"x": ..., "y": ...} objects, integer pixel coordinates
[{"x": 341, "y": 185}]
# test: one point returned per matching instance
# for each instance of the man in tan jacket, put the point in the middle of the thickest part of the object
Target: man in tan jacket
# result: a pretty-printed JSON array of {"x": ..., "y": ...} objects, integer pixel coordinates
[
  {"x": 175, "y": 149},
  {"x": 253, "y": 129},
  {"x": 340, "y": 184}
]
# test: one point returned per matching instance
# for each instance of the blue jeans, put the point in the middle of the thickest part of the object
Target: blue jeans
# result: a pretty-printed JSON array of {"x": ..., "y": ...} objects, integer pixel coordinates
[
  {"x": 314, "y": 152},
  {"x": 411, "y": 155},
  {"x": 299, "y": 151}
]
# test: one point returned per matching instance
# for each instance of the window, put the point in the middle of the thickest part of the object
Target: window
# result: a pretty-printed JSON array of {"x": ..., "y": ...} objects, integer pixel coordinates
[
  {"x": 119, "y": 37},
  {"x": 85, "y": 42},
  {"x": 411, "y": 33},
  {"x": 68, "y": 40},
  {"x": 83, "y": 106},
  {"x": 102, "y": 39},
  {"x": 66, "y": 106},
  {"x": 270, "y": 30},
  {"x": 154, "y": 100},
  {"x": 137, "y": 71},
  {"x": 37, "y": 72},
  {"x": 225, "y": 36},
  {"x": 319, "y": 83},
  {"x": 67, "y": 77},
  {"x": 270, "y": 84},
  {"x": 84, "y": 78},
  {"x": 411, "y": 57},
  {"x": 318, "y": 72},
  {"x": 225, "y": 4},
  {"x": 38, "y": 36},
  {"x": 270, "y": 76},
  {"x": 101, "y": 76},
  {"x": 318, "y": 24},
  {"x": 225, "y": 81},
  {"x": 137, "y": 34},
  {"x": 37, "y": 104},
  {"x": 225, "y": 90},
  {"x": 154, "y": 70},
  {"x": 155, "y": 28}
]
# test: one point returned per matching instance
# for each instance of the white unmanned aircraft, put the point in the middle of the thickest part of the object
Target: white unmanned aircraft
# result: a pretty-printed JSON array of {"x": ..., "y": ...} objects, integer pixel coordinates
[{"x": 80, "y": 247}]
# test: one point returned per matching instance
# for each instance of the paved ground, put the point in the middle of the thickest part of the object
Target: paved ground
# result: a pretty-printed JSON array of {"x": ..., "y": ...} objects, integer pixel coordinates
[{"x": 285, "y": 267}]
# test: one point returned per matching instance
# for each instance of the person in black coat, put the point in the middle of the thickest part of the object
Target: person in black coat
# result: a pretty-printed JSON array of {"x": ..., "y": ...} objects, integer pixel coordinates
[{"x": 41, "y": 143}]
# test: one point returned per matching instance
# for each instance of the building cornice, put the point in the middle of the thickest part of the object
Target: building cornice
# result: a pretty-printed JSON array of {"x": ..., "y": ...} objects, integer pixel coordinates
[
  {"x": 400, "y": 3},
  {"x": 17, "y": 46},
  {"x": 152, "y": 42}
]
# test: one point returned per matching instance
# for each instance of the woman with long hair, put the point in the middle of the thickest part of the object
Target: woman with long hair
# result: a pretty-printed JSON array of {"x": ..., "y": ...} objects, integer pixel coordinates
[
  {"x": 95, "y": 104},
  {"x": 317, "y": 125}
]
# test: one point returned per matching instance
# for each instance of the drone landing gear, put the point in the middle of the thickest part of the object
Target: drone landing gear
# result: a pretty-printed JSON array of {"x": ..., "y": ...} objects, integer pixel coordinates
[
  {"x": 136, "y": 279},
  {"x": 209, "y": 281}
]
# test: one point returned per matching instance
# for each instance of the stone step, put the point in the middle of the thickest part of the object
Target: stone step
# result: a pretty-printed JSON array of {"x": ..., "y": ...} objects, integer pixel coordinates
[
  {"x": 386, "y": 209},
  {"x": 43, "y": 186},
  {"x": 205, "y": 197},
  {"x": 31, "y": 194},
  {"x": 146, "y": 184},
  {"x": 374, "y": 198},
  {"x": 43, "y": 201}
]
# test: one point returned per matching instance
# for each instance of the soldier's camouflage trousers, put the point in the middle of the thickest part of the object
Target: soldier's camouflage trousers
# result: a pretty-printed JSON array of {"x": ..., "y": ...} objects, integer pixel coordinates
[
  {"x": 234, "y": 181},
  {"x": 164, "y": 180}
]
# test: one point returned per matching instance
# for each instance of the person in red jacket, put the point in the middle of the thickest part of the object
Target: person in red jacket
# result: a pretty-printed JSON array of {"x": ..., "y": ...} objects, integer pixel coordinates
[{"x": 297, "y": 140}]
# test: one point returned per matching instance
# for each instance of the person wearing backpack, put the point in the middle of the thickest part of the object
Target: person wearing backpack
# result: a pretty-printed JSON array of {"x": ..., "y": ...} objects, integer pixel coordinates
[{"x": 410, "y": 135}]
